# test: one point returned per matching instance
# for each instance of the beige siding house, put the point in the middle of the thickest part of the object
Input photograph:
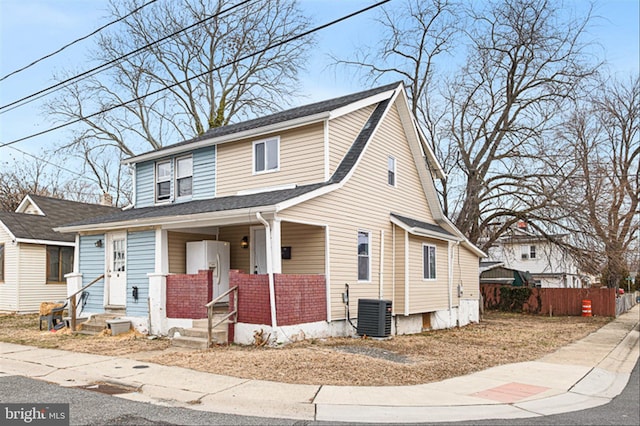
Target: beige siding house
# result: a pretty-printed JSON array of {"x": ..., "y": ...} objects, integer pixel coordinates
[
  {"x": 341, "y": 189},
  {"x": 33, "y": 257}
]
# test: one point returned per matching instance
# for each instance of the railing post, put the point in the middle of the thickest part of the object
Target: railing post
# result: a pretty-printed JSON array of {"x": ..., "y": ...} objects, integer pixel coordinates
[
  {"x": 209, "y": 326},
  {"x": 73, "y": 313}
]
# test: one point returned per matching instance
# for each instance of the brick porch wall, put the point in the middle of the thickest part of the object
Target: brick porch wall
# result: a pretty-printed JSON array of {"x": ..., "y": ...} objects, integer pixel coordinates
[
  {"x": 187, "y": 294},
  {"x": 299, "y": 298}
]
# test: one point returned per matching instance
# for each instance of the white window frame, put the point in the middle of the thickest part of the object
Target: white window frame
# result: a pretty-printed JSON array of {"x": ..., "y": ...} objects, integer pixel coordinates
[
  {"x": 532, "y": 252},
  {"x": 368, "y": 255},
  {"x": 265, "y": 142},
  {"x": 392, "y": 167},
  {"x": 158, "y": 181},
  {"x": 178, "y": 177},
  {"x": 426, "y": 256}
]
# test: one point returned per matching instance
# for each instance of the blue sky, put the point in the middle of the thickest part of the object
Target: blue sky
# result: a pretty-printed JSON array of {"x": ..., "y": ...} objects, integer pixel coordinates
[{"x": 30, "y": 29}]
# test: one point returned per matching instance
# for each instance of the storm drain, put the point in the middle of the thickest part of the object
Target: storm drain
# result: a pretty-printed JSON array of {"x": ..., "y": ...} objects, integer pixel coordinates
[{"x": 108, "y": 388}]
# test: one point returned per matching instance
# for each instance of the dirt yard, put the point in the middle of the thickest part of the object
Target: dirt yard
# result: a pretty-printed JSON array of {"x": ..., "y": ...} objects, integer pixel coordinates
[{"x": 500, "y": 338}]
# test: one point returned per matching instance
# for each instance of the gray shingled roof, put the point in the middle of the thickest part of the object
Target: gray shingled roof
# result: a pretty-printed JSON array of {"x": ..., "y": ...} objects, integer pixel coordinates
[
  {"x": 262, "y": 199},
  {"x": 279, "y": 117},
  {"x": 413, "y": 223},
  {"x": 57, "y": 212}
]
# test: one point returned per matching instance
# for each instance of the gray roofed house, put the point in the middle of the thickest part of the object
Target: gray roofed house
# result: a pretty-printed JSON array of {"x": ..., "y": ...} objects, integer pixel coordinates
[
  {"x": 33, "y": 257},
  {"x": 284, "y": 215}
]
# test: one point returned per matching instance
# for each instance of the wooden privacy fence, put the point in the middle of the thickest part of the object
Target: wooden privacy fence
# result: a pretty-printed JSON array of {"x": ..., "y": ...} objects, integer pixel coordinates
[{"x": 557, "y": 301}]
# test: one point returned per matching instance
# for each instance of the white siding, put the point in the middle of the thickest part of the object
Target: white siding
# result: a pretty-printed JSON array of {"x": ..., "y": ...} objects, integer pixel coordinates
[
  {"x": 33, "y": 287},
  {"x": 8, "y": 288}
]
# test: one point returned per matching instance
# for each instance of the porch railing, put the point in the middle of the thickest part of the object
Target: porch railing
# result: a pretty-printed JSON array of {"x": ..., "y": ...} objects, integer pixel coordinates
[
  {"x": 72, "y": 301},
  {"x": 232, "y": 313}
]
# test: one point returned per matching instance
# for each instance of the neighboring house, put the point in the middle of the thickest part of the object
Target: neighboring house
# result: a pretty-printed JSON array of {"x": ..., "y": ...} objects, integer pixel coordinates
[
  {"x": 319, "y": 206},
  {"x": 496, "y": 273},
  {"x": 548, "y": 263},
  {"x": 33, "y": 257}
]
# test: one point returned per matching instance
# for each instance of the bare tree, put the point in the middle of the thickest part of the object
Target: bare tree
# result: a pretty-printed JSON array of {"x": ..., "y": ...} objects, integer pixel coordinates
[
  {"x": 604, "y": 195},
  {"x": 231, "y": 66},
  {"x": 525, "y": 62},
  {"x": 20, "y": 178},
  {"x": 414, "y": 35}
]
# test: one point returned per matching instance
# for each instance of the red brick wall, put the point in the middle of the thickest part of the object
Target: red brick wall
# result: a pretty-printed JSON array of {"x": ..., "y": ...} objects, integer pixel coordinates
[
  {"x": 299, "y": 298},
  {"x": 187, "y": 294}
]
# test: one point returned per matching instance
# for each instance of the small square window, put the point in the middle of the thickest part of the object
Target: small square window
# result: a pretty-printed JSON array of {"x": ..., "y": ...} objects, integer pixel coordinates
[{"x": 266, "y": 156}]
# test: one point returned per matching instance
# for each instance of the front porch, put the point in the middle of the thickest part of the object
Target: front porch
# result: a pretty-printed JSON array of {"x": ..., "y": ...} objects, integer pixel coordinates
[{"x": 299, "y": 299}]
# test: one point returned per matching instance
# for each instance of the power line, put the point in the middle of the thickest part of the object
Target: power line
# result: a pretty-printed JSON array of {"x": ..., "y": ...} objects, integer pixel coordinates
[
  {"x": 107, "y": 65},
  {"x": 54, "y": 164},
  {"x": 76, "y": 41},
  {"x": 242, "y": 58}
]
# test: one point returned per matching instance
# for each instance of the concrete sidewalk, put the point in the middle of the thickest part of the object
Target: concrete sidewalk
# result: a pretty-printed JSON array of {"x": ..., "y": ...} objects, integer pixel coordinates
[{"x": 582, "y": 375}]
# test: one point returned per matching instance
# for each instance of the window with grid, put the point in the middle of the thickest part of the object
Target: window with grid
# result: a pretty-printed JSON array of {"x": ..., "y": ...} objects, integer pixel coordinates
[
  {"x": 163, "y": 181},
  {"x": 391, "y": 171}
]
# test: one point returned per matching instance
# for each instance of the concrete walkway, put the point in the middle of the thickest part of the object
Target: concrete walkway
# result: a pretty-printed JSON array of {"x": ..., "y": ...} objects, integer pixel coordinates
[{"x": 584, "y": 374}]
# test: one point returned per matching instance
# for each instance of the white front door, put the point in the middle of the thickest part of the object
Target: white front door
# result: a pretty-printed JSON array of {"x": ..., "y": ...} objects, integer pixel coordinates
[
  {"x": 117, "y": 269},
  {"x": 258, "y": 251}
]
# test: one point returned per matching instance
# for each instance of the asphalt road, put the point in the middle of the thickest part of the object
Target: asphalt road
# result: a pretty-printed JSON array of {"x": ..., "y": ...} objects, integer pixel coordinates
[{"x": 95, "y": 408}]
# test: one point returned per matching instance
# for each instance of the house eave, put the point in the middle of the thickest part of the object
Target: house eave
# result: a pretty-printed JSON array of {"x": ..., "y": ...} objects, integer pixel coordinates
[
  {"x": 422, "y": 232},
  {"x": 173, "y": 222},
  {"x": 259, "y": 131},
  {"x": 45, "y": 242}
]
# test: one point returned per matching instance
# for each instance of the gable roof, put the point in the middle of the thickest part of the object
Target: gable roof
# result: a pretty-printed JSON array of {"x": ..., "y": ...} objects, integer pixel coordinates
[
  {"x": 267, "y": 200},
  {"x": 24, "y": 227},
  {"x": 317, "y": 111}
]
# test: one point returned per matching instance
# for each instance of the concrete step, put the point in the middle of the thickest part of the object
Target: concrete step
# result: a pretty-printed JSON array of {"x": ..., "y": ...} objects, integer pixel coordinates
[
  {"x": 115, "y": 310},
  {"x": 202, "y": 323},
  {"x": 96, "y": 324},
  {"x": 189, "y": 342},
  {"x": 197, "y": 338}
]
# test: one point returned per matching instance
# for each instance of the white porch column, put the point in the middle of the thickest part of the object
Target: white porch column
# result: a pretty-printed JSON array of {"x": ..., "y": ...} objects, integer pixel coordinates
[
  {"x": 158, "y": 286},
  {"x": 158, "y": 304},
  {"x": 74, "y": 279},
  {"x": 276, "y": 242}
]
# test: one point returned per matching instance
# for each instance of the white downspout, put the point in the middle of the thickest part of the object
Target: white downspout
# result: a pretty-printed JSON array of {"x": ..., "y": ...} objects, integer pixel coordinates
[
  {"x": 272, "y": 292},
  {"x": 450, "y": 279},
  {"x": 406, "y": 273}
]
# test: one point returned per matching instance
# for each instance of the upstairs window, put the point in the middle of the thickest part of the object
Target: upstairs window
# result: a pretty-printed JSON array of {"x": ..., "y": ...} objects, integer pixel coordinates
[
  {"x": 428, "y": 262},
  {"x": 528, "y": 252},
  {"x": 266, "y": 155},
  {"x": 364, "y": 257},
  {"x": 391, "y": 171},
  {"x": 163, "y": 181},
  {"x": 59, "y": 263},
  {"x": 184, "y": 176}
]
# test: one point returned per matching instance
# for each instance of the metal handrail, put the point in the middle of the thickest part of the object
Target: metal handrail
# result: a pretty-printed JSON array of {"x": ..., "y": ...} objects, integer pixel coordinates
[
  {"x": 72, "y": 301},
  {"x": 210, "y": 305}
]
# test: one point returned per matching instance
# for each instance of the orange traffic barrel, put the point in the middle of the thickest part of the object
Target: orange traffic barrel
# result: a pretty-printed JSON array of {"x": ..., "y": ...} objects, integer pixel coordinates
[{"x": 586, "y": 308}]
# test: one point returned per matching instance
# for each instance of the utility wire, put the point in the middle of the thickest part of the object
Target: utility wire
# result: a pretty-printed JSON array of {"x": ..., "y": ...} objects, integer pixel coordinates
[
  {"x": 242, "y": 58},
  {"x": 112, "y": 62},
  {"x": 77, "y": 41},
  {"x": 54, "y": 164}
]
